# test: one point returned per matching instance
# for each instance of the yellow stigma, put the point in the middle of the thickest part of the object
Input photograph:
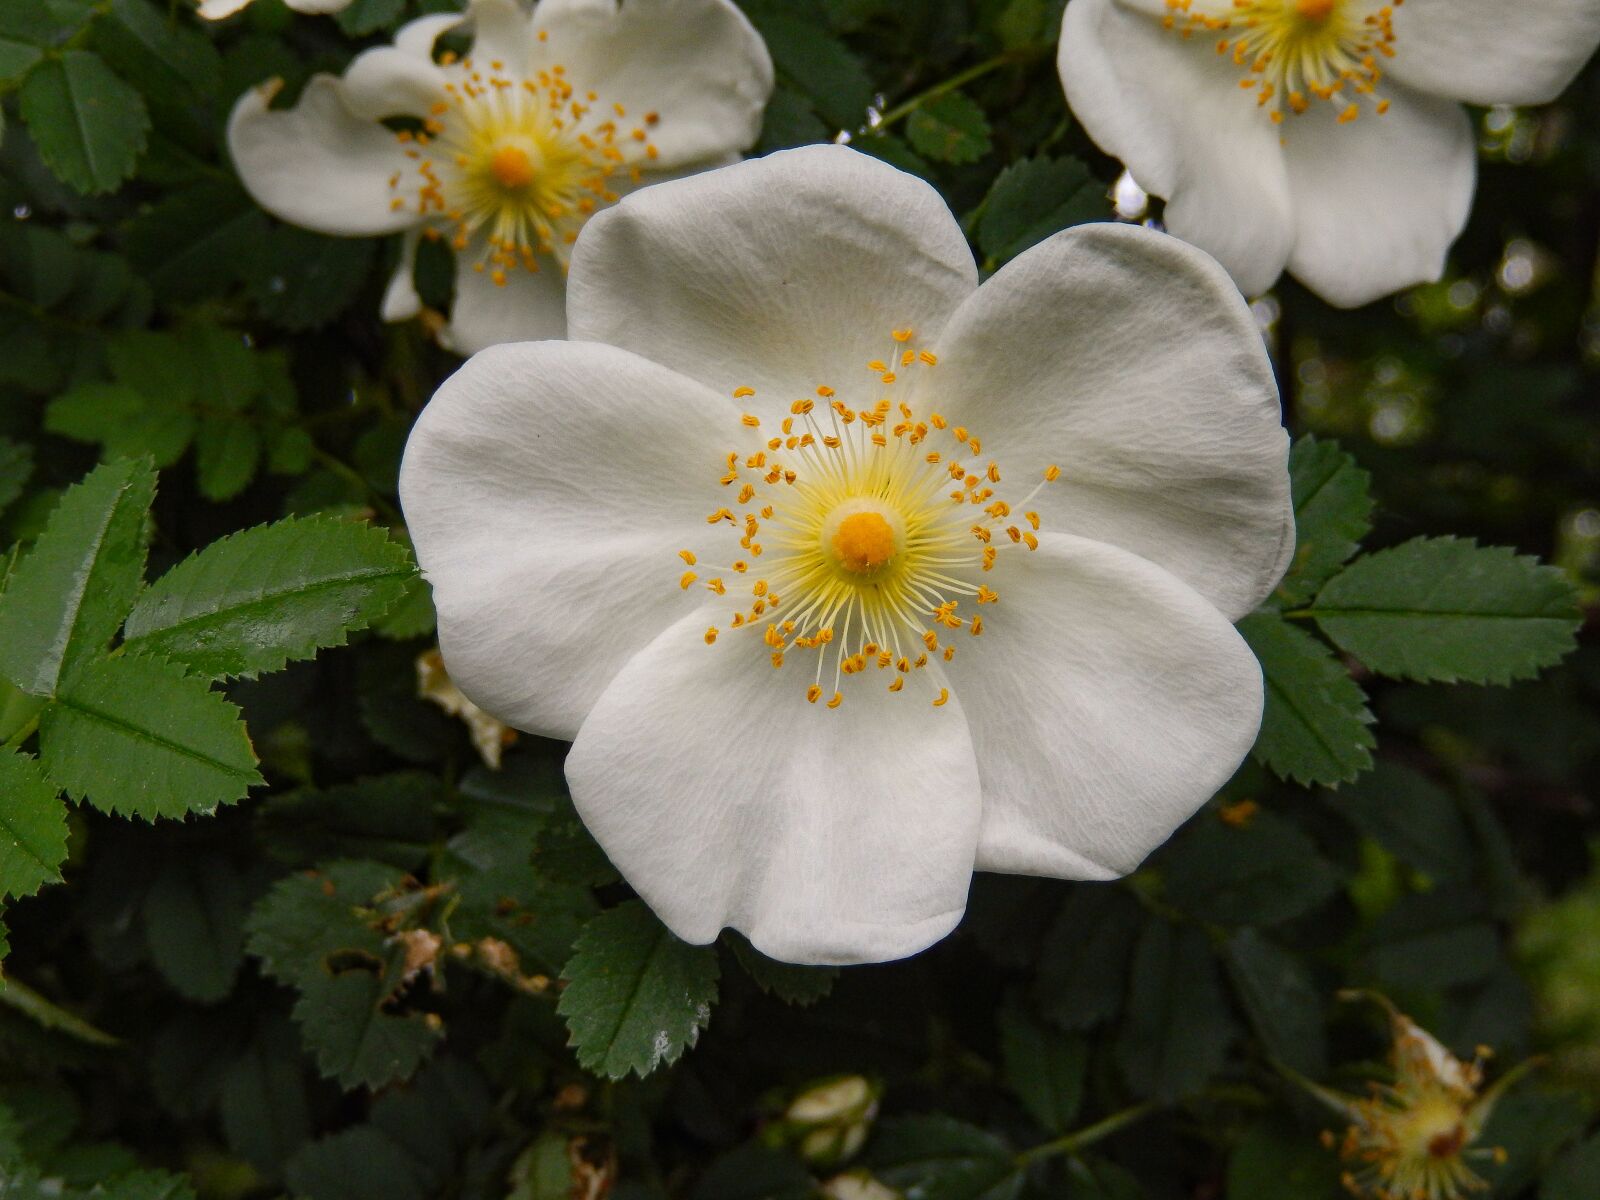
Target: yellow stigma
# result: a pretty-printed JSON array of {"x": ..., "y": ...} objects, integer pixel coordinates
[
  {"x": 863, "y": 542},
  {"x": 513, "y": 167},
  {"x": 1295, "y": 52},
  {"x": 509, "y": 166},
  {"x": 863, "y": 531}
]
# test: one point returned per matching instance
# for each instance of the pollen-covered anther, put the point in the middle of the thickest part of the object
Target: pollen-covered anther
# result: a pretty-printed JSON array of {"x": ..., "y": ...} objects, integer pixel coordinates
[
  {"x": 870, "y": 556},
  {"x": 1293, "y": 52}
]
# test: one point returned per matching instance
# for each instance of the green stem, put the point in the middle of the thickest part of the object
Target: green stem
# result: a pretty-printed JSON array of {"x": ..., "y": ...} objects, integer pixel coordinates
[
  {"x": 27, "y": 731},
  {"x": 1083, "y": 1138},
  {"x": 906, "y": 107}
]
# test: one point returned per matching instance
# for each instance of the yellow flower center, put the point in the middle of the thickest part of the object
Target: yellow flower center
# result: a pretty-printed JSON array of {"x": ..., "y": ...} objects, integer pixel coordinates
[
  {"x": 518, "y": 162},
  {"x": 1296, "y": 52},
  {"x": 869, "y": 518},
  {"x": 861, "y": 534}
]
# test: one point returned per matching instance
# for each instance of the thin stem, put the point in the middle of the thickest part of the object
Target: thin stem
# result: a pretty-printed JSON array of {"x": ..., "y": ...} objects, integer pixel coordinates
[
  {"x": 906, "y": 107},
  {"x": 1083, "y": 1138}
]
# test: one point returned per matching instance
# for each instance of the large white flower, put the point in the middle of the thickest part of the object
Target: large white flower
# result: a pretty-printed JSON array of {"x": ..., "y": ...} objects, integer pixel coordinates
[
  {"x": 990, "y": 538},
  {"x": 1324, "y": 137},
  {"x": 508, "y": 150}
]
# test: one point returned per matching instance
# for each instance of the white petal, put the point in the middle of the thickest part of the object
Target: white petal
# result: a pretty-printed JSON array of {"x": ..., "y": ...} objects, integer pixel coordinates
[
  {"x": 417, "y": 37},
  {"x": 541, "y": 488},
  {"x": 1107, "y": 701},
  {"x": 724, "y": 798},
  {"x": 698, "y": 64},
  {"x": 1128, "y": 359},
  {"x": 530, "y": 306},
  {"x": 216, "y": 10},
  {"x": 503, "y": 32},
  {"x": 318, "y": 6},
  {"x": 781, "y": 273},
  {"x": 317, "y": 165},
  {"x": 1378, "y": 201},
  {"x": 389, "y": 82},
  {"x": 400, "y": 299},
  {"x": 1172, "y": 110},
  {"x": 1493, "y": 51}
]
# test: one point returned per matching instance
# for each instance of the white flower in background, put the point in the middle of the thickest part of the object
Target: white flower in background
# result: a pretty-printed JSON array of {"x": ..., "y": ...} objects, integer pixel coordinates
[
  {"x": 216, "y": 10},
  {"x": 945, "y": 584},
  {"x": 1325, "y": 137},
  {"x": 508, "y": 150}
]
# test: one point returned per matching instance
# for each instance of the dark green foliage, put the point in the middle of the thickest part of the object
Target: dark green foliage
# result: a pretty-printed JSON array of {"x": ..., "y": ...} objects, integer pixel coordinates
[{"x": 332, "y": 955}]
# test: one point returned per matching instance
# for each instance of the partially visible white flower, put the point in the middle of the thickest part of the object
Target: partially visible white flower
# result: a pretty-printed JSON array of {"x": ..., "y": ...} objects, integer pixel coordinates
[
  {"x": 1325, "y": 137},
  {"x": 216, "y": 10},
  {"x": 858, "y": 1185},
  {"x": 490, "y": 736},
  {"x": 508, "y": 151},
  {"x": 947, "y": 583}
]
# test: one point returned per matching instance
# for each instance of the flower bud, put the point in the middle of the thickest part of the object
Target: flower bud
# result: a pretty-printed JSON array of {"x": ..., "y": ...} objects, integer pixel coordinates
[
  {"x": 858, "y": 1185},
  {"x": 829, "y": 1121}
]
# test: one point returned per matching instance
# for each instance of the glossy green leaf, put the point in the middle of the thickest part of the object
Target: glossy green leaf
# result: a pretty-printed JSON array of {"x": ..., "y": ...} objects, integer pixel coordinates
[
  {"x": 1035, "y": 197},
  {"x": 72, "y": 590},
  {"x": 940, "y": 1158},
  {"x": 1447, "y": 609},
  {"x": 636, "y": 996},
  {"x": 1315, "y": 727},
  {"x": 254, "y": 600},
  {"x": 137, "y": 737}
]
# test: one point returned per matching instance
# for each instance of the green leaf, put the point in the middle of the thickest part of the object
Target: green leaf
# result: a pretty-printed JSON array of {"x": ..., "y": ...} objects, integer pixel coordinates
[
  {"x": 368, "y": 16},
  {"x": 71, "y": 592},
  {"x": 194, "y": 243},
  {"x": 126, "y": 422},
  {"x": 227, "y": 453},
  {"x": 815, "y": 63},
  {"x": 789, "y": 121},
  {"x": 33, "y": 827},
  {"x": 1034, "y": 198},
  {"x": 361, "y": 1163},
  {"x": 1433, "y": 940},
  {"x": 386, "y": 818},
  {"x": 194, "y": 925},
  {"x": 1262, "y": 873},
  {"x": 1276, "y": 991},
  {"x": 318, "y": 931},
  {"x": 790, "y": 983},
  {"x": 1416, "y": 820},
  {"x": 637, "y": 996},
  {"x": 751, "y": 1172},
  {"x": 344, "y": 1018},
  {"x": 138, "y": 737},
  {"x": 154, "y": 50},
  {"x": 1044, "y": 1067},
  {"x": 1446, "y": 609},
  {"x": 262, "y": 1098},
  {"x": 1315, "y": 726},
  {"x": 1083, "y": 961},
  {"x": 1573, "y": 1175},
  {"x": 302, "y": 280},
  {"x": 255, "y": 600},
  {"x": 90, "y": 126},
  {"x": 940, "y": 1158},
  {"x": 1177, "y": 1029},
  {"x": 1274, "y": 1163},
  {"x": 16, "y": 465},
  {"x": 950, "y": 128},
  {"x": 16, "y": 59},
  {"x": 1332, "y": 513}
]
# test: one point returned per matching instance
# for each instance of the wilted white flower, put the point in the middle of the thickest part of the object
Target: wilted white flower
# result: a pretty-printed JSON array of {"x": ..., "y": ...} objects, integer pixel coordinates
[
  {"x": 990, "y": 538},
  {"x": 1416, "y": 1138},
  {"x": 1325, "y": 137},
  {"x": 490, "y": 736},
  {"x": 506, "y": 152},
  {"x": 215, "y": 10}
]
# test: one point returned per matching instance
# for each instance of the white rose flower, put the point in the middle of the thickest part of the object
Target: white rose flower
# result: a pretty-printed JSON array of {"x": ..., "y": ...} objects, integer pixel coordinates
[
  {"x": 1325, "y": 137},
  {"x": 216, "y": 10},
  {"x": 550, "y": 118},
  {"x": 992, "y": 538}
]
